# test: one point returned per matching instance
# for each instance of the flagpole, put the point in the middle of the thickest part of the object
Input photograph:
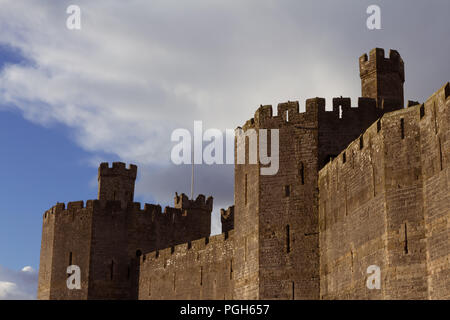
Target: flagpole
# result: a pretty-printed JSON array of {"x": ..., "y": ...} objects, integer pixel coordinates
[{"x": 192, "y": 177}]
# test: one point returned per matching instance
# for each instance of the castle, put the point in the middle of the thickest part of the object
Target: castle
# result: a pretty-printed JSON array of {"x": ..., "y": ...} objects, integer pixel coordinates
[{"x": 357, "y": 186}]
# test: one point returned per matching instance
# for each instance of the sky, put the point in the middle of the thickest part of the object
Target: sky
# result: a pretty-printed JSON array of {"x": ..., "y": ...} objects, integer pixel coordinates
[{"x": 137, "y": 70}]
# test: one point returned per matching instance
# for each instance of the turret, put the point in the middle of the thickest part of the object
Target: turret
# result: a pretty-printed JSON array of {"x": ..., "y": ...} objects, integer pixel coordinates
[
  {"x": 199, "y": 213},
  {"x": 117, "y": 182},
  {"x": 184, "y": 203},
  {"x": 382, "y": 78},
  {"x": 227, "y": 219}
]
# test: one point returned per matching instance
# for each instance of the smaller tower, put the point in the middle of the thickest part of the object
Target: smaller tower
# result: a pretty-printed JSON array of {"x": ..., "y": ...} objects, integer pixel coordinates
[
  {"x": 227, "y": 219},
  {"x": 382, "y": 78},
  {"x": 117, "y": 182},
  {"x": 198, "y": 214}
]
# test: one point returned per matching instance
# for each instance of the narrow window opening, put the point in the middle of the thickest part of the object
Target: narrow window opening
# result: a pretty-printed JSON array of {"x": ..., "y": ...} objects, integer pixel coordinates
[
  {"x": 329, "y": 158},
  {"x": 287, "y": 191},
  {"x": 206, "y": 240},
  {"x": 245, "y": 190},
  {"x": 378, "y": 126},
  {"x": 440, "y": 153},
  {"x": 226, "y": 235},
  {"x": 189, "y": 245},
  {"x": 351, "y": 253},
  {"x": 247, "y": 149},
  {"x": 302, "y": 173},
  {"x": 346, "y": 207},
  {"x": 172, "y": 249},
  {"x": 157, "y": 254},
  {"x": 353, "y": 159},
  {"x": 201, "y": 276},
  {"x": 402, "y": 127},
  {"x": 269, "y": 143},
  {"x": 293, "y": 290},
  {"x": 344, "y": 157},
  {"x": 422, "y": 111},
  {"x": 287, "y": 115},
  {"x": 373, "y": 180},
  {"x": 231, "y": 269},
  {"x": 174, "y": 280},
  {"x": 245, "y": 249},
  {"x": 361, "y": 142},
  {"x": 70, "y": 258},
  {"x": 340, "y": 112},
  {"x": 288, "y": 239},
  {"x": 406, "y": 239},
  {"x": 435, "y": 119},
  {"x": 112, "y": 270}
]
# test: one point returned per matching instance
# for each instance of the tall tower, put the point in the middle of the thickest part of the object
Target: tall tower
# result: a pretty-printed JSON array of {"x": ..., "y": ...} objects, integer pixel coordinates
[
  {"x": 116, "y": 183},
  {"x": 276, "y": 227},
  {"x": 382, "y": 78}
]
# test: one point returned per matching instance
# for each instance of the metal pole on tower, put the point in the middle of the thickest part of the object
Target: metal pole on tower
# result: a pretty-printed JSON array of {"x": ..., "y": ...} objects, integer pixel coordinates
[{"x": 192, "y": 176}]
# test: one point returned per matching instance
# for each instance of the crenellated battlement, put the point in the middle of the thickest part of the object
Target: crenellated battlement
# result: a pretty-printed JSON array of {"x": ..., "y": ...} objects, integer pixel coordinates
[
  {"x": 116, "y": 182},
  {"x": 376, "y": 62},
  {"x": 227, "y": 219},
  {"x": 117, "y": 169},
  {"x": 226, "y": 214},
  {"x": 161, "y": 256},
  {"x": 346, "y": 104},
  {"x": 289, "y": 112},
  {"x": 286, "y": 112},
  {"x": 153, "y": 211},
  {"x": 184, "y": 203},
  {"x": 382, "y": 78},
  {"x": 377, "y": 128},
  {"x": 61, "y": 208}
]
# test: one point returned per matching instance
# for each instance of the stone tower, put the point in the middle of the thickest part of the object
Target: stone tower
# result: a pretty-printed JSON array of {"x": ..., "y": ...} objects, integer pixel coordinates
[
  {"x": 106, "y": 237},
  {"x": 276, "y": 216},
  {"x": 116, "y": 183},
  {"x": 382, "y": 78}
]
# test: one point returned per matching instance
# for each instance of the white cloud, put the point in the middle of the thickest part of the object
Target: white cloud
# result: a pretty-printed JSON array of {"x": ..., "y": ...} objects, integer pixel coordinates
[
  {"x": 139, "y": 69},
  {"x": 18, "y": 285},
  {"x": 28, "y": 269}
]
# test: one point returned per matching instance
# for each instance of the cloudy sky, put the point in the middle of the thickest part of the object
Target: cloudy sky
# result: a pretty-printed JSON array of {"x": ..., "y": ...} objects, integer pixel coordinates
[{"x": 137, "y": 70}]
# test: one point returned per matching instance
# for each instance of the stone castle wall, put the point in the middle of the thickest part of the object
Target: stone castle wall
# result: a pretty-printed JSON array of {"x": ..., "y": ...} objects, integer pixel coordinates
[
  {"x": 435, "y": 144},
  {"x": 199, "y": 269},
  {"x": 382, "y": 201},
  {"x": 375, "y": 208}
]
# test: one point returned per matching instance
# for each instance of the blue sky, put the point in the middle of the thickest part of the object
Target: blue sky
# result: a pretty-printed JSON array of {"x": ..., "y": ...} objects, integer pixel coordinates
[
  {"x": 137, "y": 70},
  {"x": 39, "y": 166}
]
